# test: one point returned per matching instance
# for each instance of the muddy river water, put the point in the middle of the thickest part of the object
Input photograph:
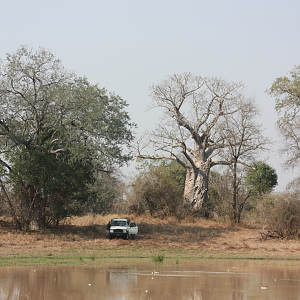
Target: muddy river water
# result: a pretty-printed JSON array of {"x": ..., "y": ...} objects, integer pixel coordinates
[{"x": 203, "y": 279}]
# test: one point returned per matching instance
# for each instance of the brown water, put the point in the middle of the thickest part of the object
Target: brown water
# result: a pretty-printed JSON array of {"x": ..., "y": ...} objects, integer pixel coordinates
[{"x": 209, "y": 279}]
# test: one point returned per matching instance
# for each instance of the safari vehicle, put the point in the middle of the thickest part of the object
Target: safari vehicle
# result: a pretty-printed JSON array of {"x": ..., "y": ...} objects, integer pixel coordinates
[{"x": 123, "y": 228}]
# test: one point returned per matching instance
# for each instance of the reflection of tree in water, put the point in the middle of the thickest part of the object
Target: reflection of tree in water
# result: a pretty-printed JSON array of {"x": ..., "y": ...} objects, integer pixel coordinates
[
  {"x": 9, "y": 285},
  {"x": 50, "y": 283},
  {"x": 9, "y": 292},
  {"x": 107, "y": 277},
  {"x": 195, "y": 295},
  {"x": 123, "y": 279}
]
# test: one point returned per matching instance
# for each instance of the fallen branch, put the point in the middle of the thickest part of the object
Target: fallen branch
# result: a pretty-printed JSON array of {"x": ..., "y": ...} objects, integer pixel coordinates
[{"x": 269, "y": 234}]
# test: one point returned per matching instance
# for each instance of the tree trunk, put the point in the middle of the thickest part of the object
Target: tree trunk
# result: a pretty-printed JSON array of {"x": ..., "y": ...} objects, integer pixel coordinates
[
  {"x": 196, "y": 187},
  {"x": 234, "y": 218},
  {"x": 189, "y": 187},
  {"x": 13, "y": 212}
]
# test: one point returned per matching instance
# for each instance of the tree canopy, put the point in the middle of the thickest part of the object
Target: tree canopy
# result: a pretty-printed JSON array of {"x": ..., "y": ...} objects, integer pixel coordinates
[
  {"x": 286, "y": 91},
  {"x": 261, "y": 178},
  {"x": 197, "y": 127},
  {"x": 56, "y": 129}
]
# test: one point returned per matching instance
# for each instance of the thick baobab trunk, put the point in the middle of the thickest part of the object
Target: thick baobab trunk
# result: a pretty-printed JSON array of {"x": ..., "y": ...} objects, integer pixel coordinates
[
  {"x": 189, "y": 187},
  {"x": 196, "y": 187}
]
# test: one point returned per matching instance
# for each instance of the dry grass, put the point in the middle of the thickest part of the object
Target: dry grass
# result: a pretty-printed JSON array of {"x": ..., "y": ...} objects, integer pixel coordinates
[{"x": 185, "y": 238}]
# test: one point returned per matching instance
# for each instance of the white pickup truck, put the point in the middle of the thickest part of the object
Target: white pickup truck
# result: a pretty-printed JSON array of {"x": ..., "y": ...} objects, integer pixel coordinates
[{"x": 123, "y": 228}]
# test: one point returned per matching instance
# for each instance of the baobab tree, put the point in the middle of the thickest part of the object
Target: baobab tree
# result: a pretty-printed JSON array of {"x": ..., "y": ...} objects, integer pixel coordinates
[{"x": 193, "y": 128}]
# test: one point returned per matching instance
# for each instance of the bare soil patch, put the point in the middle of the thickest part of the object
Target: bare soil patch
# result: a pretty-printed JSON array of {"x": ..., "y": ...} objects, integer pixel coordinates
[{"x": 186, "y": 239}]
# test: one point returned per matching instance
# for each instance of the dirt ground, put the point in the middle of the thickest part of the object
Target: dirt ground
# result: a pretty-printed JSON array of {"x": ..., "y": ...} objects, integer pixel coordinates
[{"x": 187, "y": 238}]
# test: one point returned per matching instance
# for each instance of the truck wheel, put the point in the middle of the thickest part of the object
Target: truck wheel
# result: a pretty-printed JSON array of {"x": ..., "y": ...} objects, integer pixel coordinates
[
  {"x": 110, "y": 236},
  {"x": 126, "y": 237}
]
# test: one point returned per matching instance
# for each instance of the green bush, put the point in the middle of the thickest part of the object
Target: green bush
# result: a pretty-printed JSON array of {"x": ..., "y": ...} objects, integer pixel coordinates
[
  {"x": 158, "y": 258},
  {"x": 158, "y": 189}
]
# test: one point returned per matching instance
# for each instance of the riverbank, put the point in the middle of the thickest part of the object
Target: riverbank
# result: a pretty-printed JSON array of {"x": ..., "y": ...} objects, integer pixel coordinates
[{"x": 81, "y": 241}]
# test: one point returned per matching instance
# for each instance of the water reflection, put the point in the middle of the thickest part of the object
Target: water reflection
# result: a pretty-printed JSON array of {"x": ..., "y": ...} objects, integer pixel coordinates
[{"x": 211, "y": 279}]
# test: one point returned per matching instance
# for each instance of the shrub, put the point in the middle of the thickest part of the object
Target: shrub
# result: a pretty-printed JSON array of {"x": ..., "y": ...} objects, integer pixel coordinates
[
  {"x": 281, "y": 213},
  {"x": 286, "y": 215},
  {"x": 158, "y": 258},
  {"x": 158, "y": 190}
]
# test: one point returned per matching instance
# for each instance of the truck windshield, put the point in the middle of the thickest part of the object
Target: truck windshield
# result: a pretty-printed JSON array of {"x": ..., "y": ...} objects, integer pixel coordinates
[{"x": 118, "y": 223}]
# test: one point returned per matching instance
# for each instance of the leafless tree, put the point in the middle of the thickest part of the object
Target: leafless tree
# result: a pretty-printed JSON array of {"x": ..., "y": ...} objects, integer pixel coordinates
[
  {"x": 245, "y": 140},
  {"x": 193, "y": 128}
]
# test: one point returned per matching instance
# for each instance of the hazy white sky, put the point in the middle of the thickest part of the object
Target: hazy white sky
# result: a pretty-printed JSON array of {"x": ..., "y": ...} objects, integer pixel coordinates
[{"x": 126, "y": 46}]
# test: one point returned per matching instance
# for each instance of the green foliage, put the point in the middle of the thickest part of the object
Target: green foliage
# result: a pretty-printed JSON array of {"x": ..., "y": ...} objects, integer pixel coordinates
[
  {"x": 158, "y": 258},
  {"x": 261, "y": 178},
  {"x": 287, "y": 92},
  {"x": 53, "y": 189},
  {"x": 158, "y": 189},
  {"x": 56, "y": 131},
  {"x": 257, "y": 181},
  {"x": 109, "y": 191}
]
